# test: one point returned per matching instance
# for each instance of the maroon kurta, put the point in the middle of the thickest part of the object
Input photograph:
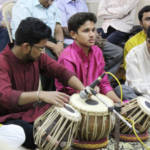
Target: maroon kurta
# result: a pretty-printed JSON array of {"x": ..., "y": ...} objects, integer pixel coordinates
[{"x": 17, "y": 77}]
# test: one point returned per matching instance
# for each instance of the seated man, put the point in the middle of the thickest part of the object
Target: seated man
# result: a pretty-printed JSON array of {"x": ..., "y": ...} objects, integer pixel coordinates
[
  {"x": 113, "y": 54},
  {"x": 83, "y": 57},
  {"x": 139, "y": 38},
  {"x": 47, "y": 11},
  {"x": 118, "y": 19},
  {"x": 137, "y": 71},
  {"x": 19, "y": 78}
]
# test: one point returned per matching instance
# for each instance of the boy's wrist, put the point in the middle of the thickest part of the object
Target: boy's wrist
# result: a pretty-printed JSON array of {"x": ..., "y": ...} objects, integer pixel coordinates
[{"x": 60, "y": 41}]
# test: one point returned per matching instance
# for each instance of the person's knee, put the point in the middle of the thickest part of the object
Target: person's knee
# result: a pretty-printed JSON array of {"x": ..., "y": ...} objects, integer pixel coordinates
[
  {"x": 119, "y": 53},
  {"x": 12, "y": 134},
  {"x": 128, "y": 92}
]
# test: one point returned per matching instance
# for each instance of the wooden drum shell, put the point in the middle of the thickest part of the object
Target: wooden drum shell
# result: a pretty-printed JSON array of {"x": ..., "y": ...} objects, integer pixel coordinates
[
  {"x": 133, "y": 110},
  {"x": 94, "y": 125},
  {"x": 59, "y": 125}
]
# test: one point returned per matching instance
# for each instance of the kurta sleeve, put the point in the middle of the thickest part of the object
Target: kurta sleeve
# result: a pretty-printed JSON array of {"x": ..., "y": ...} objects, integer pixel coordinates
[
  {"x": 57, "y": 14},
  {"x": 111, "y": 12},
  {"x": 63, "y": 13},
  {"x": 124, "y": 10},
  {"x": 8, "y": 96},
  {"x": 69, "y": 65},
  {"x": 52, "y": 68}
]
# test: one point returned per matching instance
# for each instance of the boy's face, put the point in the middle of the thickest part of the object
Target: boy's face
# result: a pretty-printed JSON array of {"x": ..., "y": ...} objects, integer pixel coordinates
[
  {"x": 145, "y": 23},
  {"x": 86, "y": 34}
]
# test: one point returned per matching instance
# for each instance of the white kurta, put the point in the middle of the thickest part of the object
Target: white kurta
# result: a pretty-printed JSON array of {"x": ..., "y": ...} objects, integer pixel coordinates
[
  {"x": 138, "y": 69},
  {"x": 120, "y": 14}
]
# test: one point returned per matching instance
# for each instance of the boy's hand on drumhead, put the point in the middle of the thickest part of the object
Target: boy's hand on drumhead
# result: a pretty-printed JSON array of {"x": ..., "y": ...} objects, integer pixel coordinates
[
  {"x": 97, "y": 89},
  {"x": 54, "y": 97}
]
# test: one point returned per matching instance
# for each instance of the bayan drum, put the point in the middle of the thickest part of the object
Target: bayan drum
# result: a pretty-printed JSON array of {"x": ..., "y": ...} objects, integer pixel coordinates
[
  {"x": 137, "y": 110},
  {"x": 56, "y": 128},
  {"x": 96, "y": 123}
]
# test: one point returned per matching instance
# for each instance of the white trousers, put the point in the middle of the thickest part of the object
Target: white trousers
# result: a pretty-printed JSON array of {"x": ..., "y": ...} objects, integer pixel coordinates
[{"x": 11, "y": 137}]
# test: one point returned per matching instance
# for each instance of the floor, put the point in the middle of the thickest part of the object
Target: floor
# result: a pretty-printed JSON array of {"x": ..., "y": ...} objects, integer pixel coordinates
[
  {"x": 122, "y": 145},
  {"x": 125, "y": 145}
]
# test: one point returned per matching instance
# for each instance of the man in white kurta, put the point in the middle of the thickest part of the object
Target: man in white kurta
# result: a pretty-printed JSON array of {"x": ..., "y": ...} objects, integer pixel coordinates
[
  {"x": 138, "y": 68},
  {"x": 118, "y": 18}
]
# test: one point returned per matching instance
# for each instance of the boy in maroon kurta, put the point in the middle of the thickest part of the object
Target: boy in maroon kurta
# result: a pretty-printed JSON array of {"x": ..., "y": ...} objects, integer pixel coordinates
[{"x": 19, "y": 78}]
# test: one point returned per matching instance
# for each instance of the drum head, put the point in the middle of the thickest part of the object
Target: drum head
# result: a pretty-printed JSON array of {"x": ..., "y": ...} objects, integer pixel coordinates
[
  {"x": 69, "y": 112},
  {"x": 144, "y": 104},
  {"x": 92, "y": 105}
]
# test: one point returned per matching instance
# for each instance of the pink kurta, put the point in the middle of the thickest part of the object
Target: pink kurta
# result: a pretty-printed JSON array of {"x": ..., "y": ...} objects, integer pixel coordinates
[{"x": 87, "y": 68}]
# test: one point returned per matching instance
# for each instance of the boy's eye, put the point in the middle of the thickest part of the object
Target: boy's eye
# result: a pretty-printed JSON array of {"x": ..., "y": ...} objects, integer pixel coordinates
[
  {"x": 94, "y": 30},
  {"x": 86, "y": 30},
  {"x": 147, "y": 19}
]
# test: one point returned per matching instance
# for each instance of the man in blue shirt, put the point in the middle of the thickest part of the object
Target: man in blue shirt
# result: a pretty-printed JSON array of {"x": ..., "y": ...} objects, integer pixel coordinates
[
  {"x": 45, "y": 10},
  {"x": 67, "y": 9}
]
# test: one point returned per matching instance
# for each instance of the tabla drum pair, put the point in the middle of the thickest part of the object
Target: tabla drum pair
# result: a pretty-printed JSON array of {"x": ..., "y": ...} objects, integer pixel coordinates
[
  {"x": 55, "y": 129},
  {"x": 137, "y": 110},
  {"x": 96, "y": 123}
]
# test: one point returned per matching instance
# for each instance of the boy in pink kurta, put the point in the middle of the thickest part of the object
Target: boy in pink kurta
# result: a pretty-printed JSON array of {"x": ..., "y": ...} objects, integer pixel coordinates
[
  {"x": 83, "y": 57},
  {"x": 87, "y": 68}
]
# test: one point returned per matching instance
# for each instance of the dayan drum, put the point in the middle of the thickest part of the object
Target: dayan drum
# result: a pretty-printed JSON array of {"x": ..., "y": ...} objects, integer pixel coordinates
[
  {"x": 56, "y": 128},
  {"x": 96, "y": 123},
  {"x": 137, "y": 110}
]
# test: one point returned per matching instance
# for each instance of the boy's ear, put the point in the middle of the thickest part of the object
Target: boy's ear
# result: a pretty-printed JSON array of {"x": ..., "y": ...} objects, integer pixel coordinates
[
  {"x": 73, "y": 34},
  {"x": 25, "y": 47},
  {"x": 141, "y": 23}
]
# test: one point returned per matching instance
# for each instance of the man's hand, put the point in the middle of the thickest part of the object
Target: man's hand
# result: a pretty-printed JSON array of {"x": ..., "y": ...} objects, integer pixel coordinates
[
  {"x": 54, "y": 97},
  {"x": 112, "y": 95},
  {"x": 97, "y": 89},
  {"x": 58, "y": 48}
]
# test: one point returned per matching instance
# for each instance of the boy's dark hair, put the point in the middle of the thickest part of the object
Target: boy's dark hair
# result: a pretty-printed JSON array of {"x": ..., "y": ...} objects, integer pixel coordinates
[
  {"x": 79, "y": 19},
  {"x": 32, "y": 31},
  {"x": 142, "y": 11}
]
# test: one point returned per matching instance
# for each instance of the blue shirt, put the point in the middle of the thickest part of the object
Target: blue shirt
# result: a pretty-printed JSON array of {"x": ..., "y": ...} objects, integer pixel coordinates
[
  {"x": 33, "y": 8},
  {"x": 69, "y": 8}
]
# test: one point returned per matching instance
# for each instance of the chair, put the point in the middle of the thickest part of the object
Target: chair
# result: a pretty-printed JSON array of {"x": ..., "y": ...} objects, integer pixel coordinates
[{"x": 7, "y": 15}]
